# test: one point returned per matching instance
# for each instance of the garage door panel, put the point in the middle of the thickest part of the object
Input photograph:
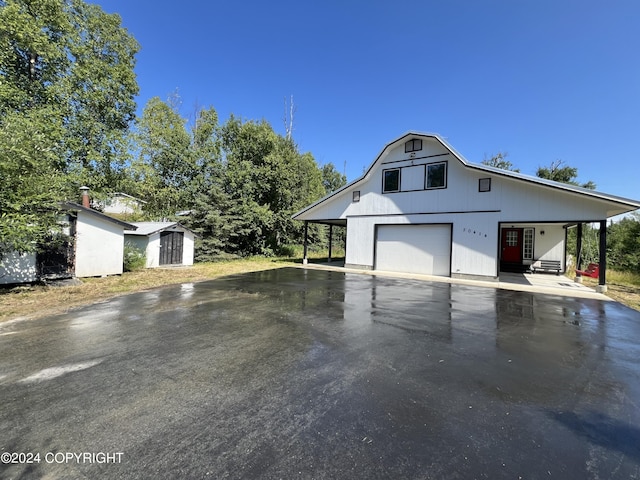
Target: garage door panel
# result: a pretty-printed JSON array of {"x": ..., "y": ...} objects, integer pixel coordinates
[{"x": 414, "y": 249}]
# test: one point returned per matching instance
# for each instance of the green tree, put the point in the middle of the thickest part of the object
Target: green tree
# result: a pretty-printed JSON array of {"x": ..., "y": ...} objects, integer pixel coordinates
[
  {"x": 623, "y": 244},
  {"x": 31, "y": 179},
  {"x": 332, "y": 179},
  {"x": 247, "y": 200},
  {"x": 270, "y": 179},
  {"x": 559, "y": 171},
  {"x": 499, "y": 160},
  {"x": 67, "y": 91},
  {"x": 165, "y": 165}
]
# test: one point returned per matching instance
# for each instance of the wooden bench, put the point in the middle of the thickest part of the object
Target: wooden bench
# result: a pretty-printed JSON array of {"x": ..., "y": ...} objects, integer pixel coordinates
[
  {"x": 593, "y": 271},
  {"x": 546, "y": 266}
]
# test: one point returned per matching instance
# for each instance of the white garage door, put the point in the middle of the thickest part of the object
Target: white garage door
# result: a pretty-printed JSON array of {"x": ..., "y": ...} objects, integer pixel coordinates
[{"x": 414, "y": 249}]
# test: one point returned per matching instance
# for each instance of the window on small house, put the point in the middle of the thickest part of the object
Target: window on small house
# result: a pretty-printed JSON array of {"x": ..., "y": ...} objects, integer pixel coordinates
[
  {"x": 413, "y": 145},
  {"x": 391, "y": 181},
  {"x": 437, "y": 175},
  {"x": 484, "y": 185}
]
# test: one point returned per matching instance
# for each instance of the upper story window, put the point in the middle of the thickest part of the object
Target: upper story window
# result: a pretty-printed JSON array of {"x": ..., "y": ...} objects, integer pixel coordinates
[
  {"x": 413, "y": 145},
  {"x": 437, "y": 175},
  {"x": 391, "y": 180}
]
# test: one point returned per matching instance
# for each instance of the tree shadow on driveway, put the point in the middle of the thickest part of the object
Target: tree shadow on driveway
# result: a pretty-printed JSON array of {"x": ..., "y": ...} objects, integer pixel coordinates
[{"x": 602, "y": 430}]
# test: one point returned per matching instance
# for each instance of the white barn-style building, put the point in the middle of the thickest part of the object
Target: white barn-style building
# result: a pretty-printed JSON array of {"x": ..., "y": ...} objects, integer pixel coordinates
[
  {"x": 422, "y": 208},
  {"x": 164, "y": 243}
]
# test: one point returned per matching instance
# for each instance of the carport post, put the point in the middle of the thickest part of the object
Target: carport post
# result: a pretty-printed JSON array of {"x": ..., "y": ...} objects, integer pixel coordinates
[
  {"x": 579, "y": 253},
  {"x": 602, "y": 283},
  {"x": 330, "y": 242},
  {"x": 306, "y": 237}
]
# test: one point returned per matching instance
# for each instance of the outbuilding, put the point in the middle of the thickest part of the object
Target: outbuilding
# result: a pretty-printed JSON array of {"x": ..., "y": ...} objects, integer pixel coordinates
[
  {"x": 91, "y": 245},
  {"x": 164, "y": 243},
  {"x": 421, "y": 207},
  {"x": 98, "y": 241}
]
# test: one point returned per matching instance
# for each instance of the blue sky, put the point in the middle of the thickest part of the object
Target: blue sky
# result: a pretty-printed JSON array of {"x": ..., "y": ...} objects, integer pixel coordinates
[{"x": 540, "y": 79}]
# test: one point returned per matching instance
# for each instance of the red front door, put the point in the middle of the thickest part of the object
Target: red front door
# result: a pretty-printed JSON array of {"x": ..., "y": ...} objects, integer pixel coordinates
[{"x": 511, "y": 245}]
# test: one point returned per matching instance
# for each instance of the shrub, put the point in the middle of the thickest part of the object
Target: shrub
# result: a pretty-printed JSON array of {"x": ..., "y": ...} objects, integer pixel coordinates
[{"x": 134, "y": 258}]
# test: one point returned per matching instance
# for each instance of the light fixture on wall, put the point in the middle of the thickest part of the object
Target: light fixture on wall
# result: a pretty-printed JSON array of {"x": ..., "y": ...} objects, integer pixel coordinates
[{"x": 541, "y": 232}]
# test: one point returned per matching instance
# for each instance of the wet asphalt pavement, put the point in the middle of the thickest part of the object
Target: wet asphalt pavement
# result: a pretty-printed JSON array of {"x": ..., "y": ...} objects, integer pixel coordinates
[{"x": 297, "y": 373}]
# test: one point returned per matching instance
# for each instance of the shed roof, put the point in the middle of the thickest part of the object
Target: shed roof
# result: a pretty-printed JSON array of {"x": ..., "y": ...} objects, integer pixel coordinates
[{"x": 149, "y": 228}]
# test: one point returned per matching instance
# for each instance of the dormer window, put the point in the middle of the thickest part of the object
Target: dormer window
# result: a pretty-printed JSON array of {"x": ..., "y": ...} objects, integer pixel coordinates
[{"x": 413, "y": 145}]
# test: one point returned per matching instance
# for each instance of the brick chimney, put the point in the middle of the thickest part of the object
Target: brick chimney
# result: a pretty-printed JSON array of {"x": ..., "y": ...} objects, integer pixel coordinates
[{"x": 86, "y": 202}]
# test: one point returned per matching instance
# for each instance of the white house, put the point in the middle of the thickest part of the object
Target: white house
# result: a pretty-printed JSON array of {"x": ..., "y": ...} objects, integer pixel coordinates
[
  {"x": 422, "y": 208},
  {"x": 164, "y": 243},
  {"x": 94, "y": 248}
]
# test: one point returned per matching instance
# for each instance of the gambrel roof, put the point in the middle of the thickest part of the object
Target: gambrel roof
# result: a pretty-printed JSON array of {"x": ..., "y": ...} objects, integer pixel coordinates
[{"x": 622, "y": 204}]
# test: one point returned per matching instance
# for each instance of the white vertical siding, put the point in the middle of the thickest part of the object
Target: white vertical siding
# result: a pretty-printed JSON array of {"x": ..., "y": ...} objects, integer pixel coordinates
[{"x": 473, "y": 243}]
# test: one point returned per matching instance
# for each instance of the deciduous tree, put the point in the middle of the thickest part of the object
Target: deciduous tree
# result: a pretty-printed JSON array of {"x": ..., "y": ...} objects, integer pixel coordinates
[
  {"x": 67, "y": 91},
  {"x": 559, "y": 171},
  {"x": 499, "y": 160}
]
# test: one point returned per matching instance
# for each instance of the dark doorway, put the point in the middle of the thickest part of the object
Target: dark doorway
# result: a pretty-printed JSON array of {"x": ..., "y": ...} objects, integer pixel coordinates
[
  {"x": 55, "y": 257},
  {"x": 171, "y": 248}
]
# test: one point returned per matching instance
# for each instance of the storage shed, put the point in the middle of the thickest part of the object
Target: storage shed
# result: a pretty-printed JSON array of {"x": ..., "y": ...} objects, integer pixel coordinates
[
  {"x": 98, "y": 241},
  {"x": 93, "y": 246},
  {"x": 164, "y": 243}
]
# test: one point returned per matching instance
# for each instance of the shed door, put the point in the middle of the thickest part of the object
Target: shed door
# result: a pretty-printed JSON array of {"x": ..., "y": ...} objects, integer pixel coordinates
[
  {"x": 171, "y": 248},
  {"x": 422, "y": 249}
]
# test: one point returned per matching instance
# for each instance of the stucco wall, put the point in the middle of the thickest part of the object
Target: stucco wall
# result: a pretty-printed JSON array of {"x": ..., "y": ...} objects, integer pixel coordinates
[{"x": 99, "y": 246}]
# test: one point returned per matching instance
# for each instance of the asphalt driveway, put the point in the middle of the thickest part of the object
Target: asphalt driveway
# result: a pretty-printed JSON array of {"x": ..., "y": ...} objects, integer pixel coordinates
[{"x": 300, "y": 373}]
